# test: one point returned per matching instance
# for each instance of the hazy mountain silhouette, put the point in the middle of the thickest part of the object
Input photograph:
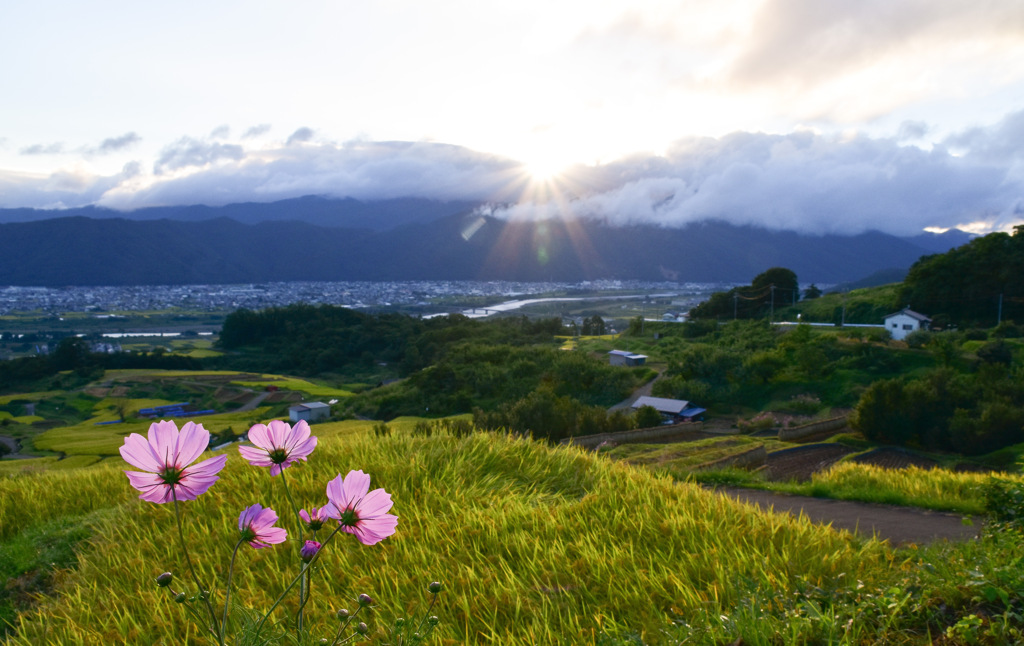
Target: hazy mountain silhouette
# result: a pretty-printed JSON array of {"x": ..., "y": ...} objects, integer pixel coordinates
[{"x": 411, "y": 244}]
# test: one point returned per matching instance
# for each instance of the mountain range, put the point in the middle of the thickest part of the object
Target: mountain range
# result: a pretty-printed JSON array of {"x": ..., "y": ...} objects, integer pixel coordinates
[{"x": 315, "y": 238}]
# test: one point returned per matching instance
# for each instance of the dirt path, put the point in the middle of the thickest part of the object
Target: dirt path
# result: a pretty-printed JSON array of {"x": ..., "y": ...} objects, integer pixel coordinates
[
  {"x": 642, "y": 391},
  {"x": 253, "y": 403},
  {"x": 898, "y": 525}
]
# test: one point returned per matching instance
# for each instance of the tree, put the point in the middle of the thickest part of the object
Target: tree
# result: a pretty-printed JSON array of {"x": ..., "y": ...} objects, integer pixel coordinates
[
  {"x": 647, "y": 417},
  {"x": 812, "y": 292},
  {"x": 593, "y": 326}
]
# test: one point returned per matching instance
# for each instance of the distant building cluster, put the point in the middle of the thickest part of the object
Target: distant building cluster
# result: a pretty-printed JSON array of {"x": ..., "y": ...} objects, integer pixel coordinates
[{"x": 220, "y": 298}]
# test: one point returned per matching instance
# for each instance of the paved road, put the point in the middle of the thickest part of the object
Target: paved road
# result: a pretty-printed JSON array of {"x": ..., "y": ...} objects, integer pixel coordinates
[{"x": 898, "y": 525}]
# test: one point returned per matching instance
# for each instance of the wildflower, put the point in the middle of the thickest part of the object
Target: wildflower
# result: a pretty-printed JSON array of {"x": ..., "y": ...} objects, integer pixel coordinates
[
  {"x": 256, "y": 525},
  {"x": 360, "y": 511},
  {"x": 164, "y": 579},
  {"x": 278, "y": 445},
  {"x": 314, "y": 518},
  {"x": 167, "y": 456},
  {"x": 308, "y": 551}
]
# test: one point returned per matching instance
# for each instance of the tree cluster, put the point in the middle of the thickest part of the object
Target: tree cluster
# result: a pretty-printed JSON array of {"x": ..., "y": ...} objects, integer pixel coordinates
[
  {"x": 770, "y": 289},
  {"x": 970, "y": 284}
]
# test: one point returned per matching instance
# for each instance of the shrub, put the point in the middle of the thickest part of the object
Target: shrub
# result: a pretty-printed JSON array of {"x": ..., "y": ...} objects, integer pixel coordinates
[
  {"x": 1008, "y": 330},
  {"x": 1004, "y": 501},
  {"x": 975, "y": 334},
  {"x": 760, "y": 422},
  {"x": 647, "y": 417}
]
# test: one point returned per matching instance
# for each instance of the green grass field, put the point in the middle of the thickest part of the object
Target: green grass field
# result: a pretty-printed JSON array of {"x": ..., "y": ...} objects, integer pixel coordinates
[
  {"x": 291, "y": 383},
  {"x": 534, "y": 544},
  {"x": 507, "y": 525}
]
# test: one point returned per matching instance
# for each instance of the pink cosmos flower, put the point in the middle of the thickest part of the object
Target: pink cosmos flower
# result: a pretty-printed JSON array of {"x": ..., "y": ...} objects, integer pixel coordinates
[
  {"x": 314, "y": 518},
  {"x": 167, "y": 455},
  {"x": 256, "y": 525},
  {"x": 360, "y": 511},
  {"x": 279, "y": 445},
  {"x": 308, "y": 551}
]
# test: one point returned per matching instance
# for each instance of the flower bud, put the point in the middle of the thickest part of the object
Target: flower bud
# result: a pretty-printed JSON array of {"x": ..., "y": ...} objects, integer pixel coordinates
[
  {"x": 434, "y": 587},
  {"x": 179, "y": 598},
  {"x": 433, "y": 620},
  {"x": 343, "y": 614},
  {"x": 308, "y": 551},
  {"x": 365, "y": 600},
  {"x": 362, "y": 628},
  {"x": 399, "y": 622},
  {"x": 164, "y": 579}
]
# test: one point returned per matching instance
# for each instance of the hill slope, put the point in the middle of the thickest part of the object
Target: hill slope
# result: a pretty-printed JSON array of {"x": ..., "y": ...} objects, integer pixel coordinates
[{"x": 117, "y": 251}]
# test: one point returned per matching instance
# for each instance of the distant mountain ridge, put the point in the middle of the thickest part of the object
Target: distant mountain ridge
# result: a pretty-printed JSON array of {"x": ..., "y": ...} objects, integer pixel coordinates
[
  {"x": 414, "y": 245},
  {"x": 379, "y": 215}
]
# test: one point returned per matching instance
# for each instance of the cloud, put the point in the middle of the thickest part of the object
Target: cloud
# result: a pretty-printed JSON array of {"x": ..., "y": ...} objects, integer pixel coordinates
[
  {"x": 812, "y": 41},
  {"x": 43, "y": 149},
  {"x": 220, "y": 132},
  {"x": 301, "y": 135},
  {"x": 912, "y": 130},
  {"x": 1003, "y": 143},
  {"x": 801, "y": 181},
  {"x": 362, "y": 170},
  {"x": 256, "y": 131},
  {"x": 115, "y": 144},
  {"x": 188, "y": 152}
]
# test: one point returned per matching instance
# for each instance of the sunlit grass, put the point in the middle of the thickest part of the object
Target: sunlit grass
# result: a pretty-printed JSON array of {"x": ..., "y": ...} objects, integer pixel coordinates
[
  {"x": 87, "y": 438},
  {"x": 534, "y": 545},
  {"x": 291, "y": 383},
  {"x": 938, "y": 489},
  {"x": 38, "y": 396}
]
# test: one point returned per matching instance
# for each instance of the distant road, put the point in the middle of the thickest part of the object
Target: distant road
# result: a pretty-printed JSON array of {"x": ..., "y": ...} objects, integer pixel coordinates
[
  {"x": 508, "y": 306},
  {"x": 898, "y": 525}
]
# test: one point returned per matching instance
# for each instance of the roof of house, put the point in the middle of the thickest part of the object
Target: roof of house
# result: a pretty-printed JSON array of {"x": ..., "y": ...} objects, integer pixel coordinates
[
  {"x": 909, "y": 312},
  {"x": 662, "y": 405},
  {"x": 308, "y": 406},
  {"x": 627, "y": 354}
]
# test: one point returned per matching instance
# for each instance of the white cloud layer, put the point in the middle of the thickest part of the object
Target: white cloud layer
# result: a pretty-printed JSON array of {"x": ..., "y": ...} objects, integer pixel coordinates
[{"x": 800, "y": 181}]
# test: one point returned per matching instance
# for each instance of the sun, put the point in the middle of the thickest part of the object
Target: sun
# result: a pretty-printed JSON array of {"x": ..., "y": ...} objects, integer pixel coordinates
[{"x": 544, "y": 168}]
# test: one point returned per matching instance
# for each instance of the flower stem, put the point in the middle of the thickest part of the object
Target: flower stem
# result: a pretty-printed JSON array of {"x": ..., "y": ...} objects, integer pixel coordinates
[
  {"x": 302, "y": 582},
  {"x": 305, "y": 566},
  {"x": 192, "y": 571},
  {"x": 288, "y": 494},
  {"x": 227, "y": 588}
]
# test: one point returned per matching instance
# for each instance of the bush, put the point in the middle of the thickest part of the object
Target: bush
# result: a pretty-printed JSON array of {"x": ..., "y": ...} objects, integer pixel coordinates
[
  {"x": 918, "y": 339},
  {"x": 647, "y": 417},
  {"x": 761, "y": 422},
  {"x": 975, "y": 334},
  {"x": 1004, "y": 501},
  {"x": 1008, "y": 330}
]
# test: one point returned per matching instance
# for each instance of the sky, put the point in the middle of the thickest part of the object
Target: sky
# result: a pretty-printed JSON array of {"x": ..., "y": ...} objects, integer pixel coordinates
[{"x": 822, "y": 116}]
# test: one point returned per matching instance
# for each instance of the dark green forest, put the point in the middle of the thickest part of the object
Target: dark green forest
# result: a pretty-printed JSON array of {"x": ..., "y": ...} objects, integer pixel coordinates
[{"x": 977, "y": 284}]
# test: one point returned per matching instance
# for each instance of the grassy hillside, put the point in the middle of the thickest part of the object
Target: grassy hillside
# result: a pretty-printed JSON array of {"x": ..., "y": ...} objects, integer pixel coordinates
[{"x": 508, "y": 525}]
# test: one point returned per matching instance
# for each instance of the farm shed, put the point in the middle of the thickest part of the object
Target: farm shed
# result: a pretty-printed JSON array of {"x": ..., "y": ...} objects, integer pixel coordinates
[
  {"x": 626, "y": 358},
  {"x": 311, "y": 412},
  {"x": 902, "y": 323},
  {"x": 674, "y": 410}
]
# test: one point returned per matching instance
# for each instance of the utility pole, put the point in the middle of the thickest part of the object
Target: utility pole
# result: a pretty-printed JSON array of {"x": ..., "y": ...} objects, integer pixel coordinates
[
  {"x": 999, "y": 316},
  {"x": 771, "y": 315},
  {"x": 735, "y": 300}
]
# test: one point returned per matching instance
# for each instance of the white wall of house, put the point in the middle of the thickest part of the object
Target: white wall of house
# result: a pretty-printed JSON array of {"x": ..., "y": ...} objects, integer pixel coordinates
[{"x": 900, "y": 325}]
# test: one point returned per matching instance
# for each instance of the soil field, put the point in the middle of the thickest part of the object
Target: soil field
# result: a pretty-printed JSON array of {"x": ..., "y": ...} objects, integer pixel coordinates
[
  {"x": 890, "y": 458},
  {"x": 803, "y": 461}
]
